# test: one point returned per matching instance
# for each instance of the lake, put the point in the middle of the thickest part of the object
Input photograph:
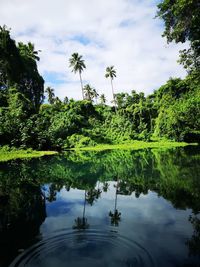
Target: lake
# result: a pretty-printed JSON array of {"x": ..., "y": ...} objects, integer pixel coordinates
[{"x": 111, "y": 208}]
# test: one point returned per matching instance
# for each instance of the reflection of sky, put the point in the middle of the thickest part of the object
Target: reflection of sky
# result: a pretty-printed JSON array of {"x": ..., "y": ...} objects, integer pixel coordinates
[{"x": 149, "y": 220}]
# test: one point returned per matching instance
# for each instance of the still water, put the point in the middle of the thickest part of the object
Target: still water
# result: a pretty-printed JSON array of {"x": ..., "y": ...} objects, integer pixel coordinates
[{"x": 111, "y": 208}]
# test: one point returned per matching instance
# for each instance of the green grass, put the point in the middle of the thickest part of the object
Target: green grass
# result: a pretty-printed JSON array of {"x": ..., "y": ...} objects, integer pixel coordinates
[
  {"x": 6, "y": 154},
  {"x": 136, "y": 145}
]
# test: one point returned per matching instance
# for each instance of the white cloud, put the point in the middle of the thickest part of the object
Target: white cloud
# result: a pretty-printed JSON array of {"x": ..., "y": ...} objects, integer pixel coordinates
[{"x": 123, "y": 33}]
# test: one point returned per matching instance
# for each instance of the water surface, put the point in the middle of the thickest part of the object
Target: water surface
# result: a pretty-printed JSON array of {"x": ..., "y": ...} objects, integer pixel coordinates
[{"x": 111, "y": 208}]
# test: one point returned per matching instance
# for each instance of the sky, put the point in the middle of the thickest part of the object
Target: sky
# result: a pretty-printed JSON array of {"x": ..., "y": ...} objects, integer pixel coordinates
[{"x": 123, "y": 33}]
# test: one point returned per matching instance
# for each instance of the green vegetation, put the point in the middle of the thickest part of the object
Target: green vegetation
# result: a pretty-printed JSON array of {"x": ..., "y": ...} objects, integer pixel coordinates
[
  {"x": 7, "y": 153},
  {"x": 182, "y": 20},
  {"x": 135, "y": 145},
  {"x": 172, "y": 112},
  {"x": 163, "y": 171}
]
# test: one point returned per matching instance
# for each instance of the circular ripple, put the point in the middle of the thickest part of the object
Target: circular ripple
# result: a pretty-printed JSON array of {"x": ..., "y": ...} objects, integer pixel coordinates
[{"x": 85, "y": 248}]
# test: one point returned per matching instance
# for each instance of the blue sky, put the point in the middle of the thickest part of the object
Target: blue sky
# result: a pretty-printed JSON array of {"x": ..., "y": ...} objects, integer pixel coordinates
[{"x": 123, "y": 33}]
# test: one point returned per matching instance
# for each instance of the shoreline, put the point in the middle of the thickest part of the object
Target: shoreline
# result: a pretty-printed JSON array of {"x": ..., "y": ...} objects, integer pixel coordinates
[
  {"x": 23, "y": 154},
  {"x": 7, "y": 155}
]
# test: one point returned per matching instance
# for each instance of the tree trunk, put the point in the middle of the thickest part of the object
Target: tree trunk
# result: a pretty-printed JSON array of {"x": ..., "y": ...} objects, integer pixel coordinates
[
  {"x": 113, "y": 95},
  {"x": 81, "y": 84},
  {"x": 84, "y": 205}
]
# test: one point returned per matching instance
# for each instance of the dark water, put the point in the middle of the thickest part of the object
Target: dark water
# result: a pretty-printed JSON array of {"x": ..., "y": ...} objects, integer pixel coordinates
[{"x": 116, "y": 208}]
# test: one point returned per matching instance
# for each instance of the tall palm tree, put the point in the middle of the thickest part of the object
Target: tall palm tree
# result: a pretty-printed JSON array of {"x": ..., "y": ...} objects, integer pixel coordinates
[
  {"x": 50, "y": 95},
  {"x": 77, "y": 64},
  {"x": 102, "y": 99},
  {"x": 111, "y": 72}
]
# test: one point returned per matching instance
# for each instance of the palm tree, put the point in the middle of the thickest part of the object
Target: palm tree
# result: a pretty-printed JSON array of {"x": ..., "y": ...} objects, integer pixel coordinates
[
  {"x": 57, "y": 101},
  {"x": 95, "y": 94},
  {"x": 102, "y": 99},
  {"x": 111, "y": 72},
  {"x": 77, "y": 64},
  {"x": 88, "y": 92},
  {"x": 66, "y": 100},
  {"x": 50, "y": 94}
]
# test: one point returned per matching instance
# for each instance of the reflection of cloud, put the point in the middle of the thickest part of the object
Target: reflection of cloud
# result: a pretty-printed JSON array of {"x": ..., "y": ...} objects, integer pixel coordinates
[
  {"x": 105, "y": 33},
  {"x": 149, "y": 220}
]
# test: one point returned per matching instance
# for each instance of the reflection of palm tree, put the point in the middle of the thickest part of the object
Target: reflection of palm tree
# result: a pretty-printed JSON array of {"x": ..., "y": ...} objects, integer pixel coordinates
[
  {"x": 105, "y": 186},
  {"x": 81, "y": 223},
  {"x": 116, "y": 215}
]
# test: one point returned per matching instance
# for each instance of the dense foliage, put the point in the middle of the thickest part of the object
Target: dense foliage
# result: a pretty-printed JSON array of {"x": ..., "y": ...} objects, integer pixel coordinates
[
  {"x": 172, "y": 112},
  {"x": 182, "y": 20}
]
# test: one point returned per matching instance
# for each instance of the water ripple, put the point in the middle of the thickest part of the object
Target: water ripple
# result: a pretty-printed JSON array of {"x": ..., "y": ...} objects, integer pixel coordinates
[{"x": 83, "y": 248}]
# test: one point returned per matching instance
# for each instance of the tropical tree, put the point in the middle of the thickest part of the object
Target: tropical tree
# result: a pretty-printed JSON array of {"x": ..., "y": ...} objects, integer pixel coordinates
[
  {"x": 111, "y": 73},
  {"x": 28, "y": 51},
  {"x": 57, "y": 101},
  {"x": 77, "y": 64},
  {"x": 66, "y": 100},
  {"x": 88, "y": 92},
  {"x": 102, "y": 99},
  {"x": 181, "y": 21},
  {"x": 18, "y": 67},
  {"x": 50, "y": 95},
  {"x": 11, "y": 65},
  {"x": 95, "y": 93}
]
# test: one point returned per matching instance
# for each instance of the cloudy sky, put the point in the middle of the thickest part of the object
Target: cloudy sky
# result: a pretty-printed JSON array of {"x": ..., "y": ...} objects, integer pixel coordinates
[{"x": 123, "y": 33}]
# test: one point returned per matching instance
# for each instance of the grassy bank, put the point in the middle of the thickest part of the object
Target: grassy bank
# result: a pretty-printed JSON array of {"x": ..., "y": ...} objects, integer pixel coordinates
[
  {"x": 9, "y": 154},
  {"x": 136, "y": 145}
]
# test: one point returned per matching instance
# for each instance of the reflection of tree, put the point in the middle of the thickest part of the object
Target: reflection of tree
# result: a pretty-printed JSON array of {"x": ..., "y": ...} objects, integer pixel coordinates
[
  {"x": 194, "y": 242},
  {"x": 22, "y": 211},
  {"x": 115, "y": 215},
  {"x": 52, "y": 193},
  {"x": 24, "y": 207},
  {"x": 81, "y": 222},
  {"x": 92, "y": 195},
  {"x": 125, "y": 188},
  {"x": 105, "y": 186}
]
